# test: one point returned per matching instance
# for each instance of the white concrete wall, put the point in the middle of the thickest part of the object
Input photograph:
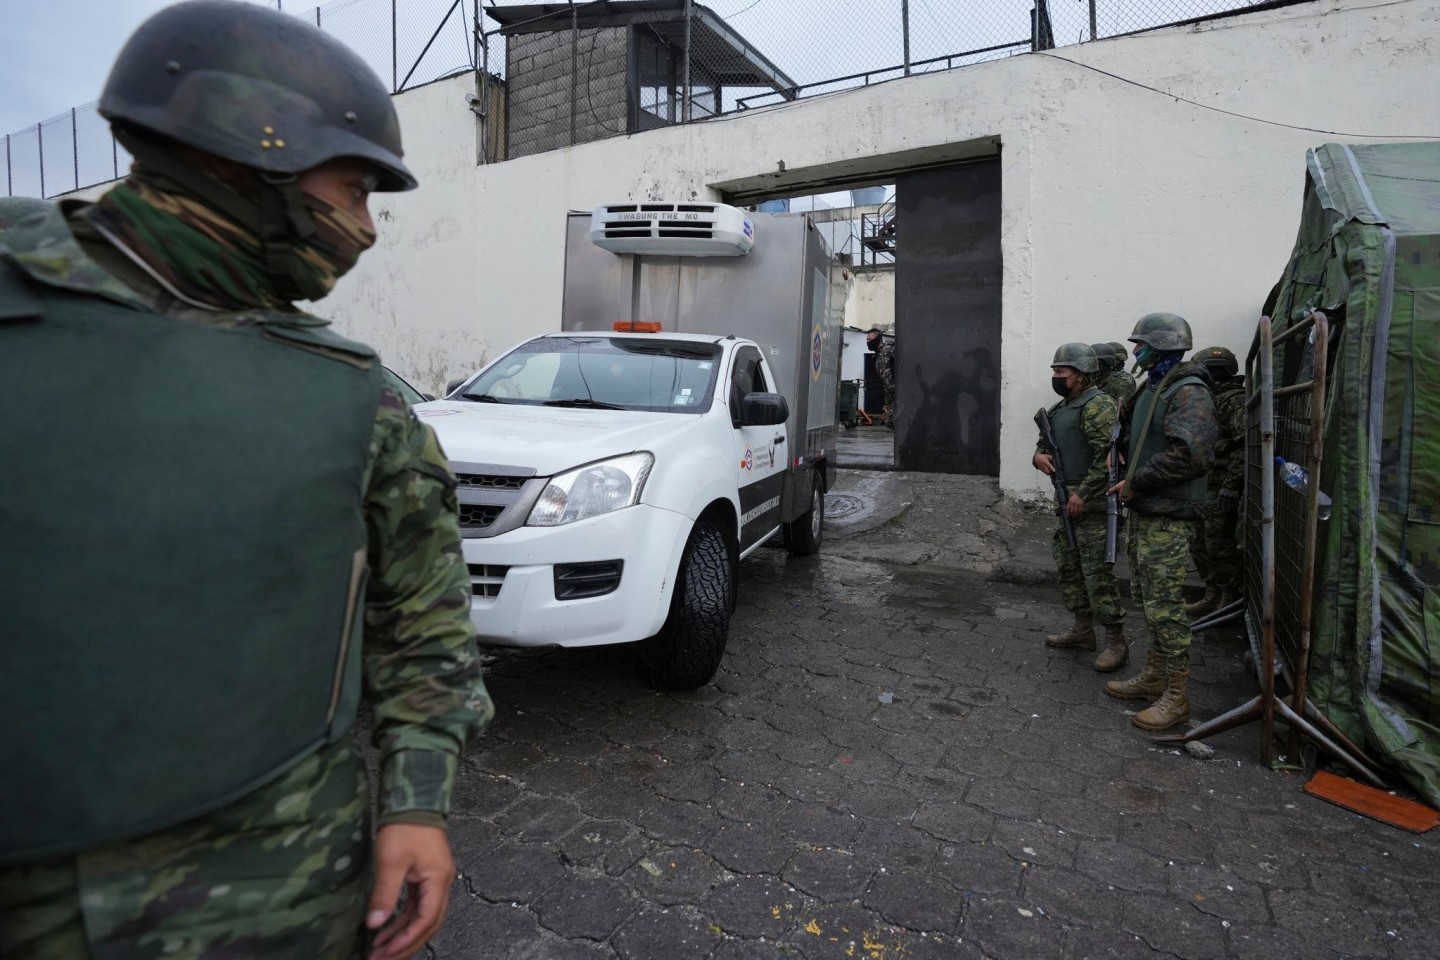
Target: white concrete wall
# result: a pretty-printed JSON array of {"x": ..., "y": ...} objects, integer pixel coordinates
[
  {"x": 872, "y": 300},
  {"x": 1118, "y": 200}
]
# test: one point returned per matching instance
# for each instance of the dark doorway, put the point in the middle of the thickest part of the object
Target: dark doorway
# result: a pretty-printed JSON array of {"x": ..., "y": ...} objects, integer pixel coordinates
[{"x": 947, "y": 319}]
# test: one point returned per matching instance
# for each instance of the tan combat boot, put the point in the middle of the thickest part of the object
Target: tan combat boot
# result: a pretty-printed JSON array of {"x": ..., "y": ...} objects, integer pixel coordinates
[
  {"x": 1173, "y": 706},
  {"x": 1080, "y": 634},
  {"x": 1117, "y": 649},
  {"x": 1211, "y": 601},
  {"x": 1149, "y": 683}
]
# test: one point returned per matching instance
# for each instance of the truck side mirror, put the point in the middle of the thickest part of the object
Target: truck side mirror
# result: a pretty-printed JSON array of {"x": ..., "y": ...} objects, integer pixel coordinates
[
  {"x": 763, "y": 410},
  {"x": 453, "y": 385}
]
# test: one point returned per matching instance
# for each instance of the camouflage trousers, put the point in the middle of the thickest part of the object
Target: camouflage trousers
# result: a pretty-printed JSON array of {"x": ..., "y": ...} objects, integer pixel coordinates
[
  {"x": 1087, "y": 582},
  {"x": 283, "y": 872},
  {"x": 1158, "y": 552},
  {"x": 887, "y": 380},
  {"x": 1216, "y": 550}
]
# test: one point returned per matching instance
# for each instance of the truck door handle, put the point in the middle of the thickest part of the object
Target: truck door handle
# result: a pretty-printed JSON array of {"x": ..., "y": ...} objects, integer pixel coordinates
[{"x": 780, "y": 439}]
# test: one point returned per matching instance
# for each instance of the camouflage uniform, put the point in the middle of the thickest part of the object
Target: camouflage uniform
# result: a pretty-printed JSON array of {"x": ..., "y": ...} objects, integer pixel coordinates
[
  {"x": 885, "y": 369},
  {"x": 1087, "y": 582},
  {"x": 1161, "y": 526},
  {"x": 1216, "y": 550},
  {"x": 1119, "y": 386},
  {"x": 284, "y": 871}
]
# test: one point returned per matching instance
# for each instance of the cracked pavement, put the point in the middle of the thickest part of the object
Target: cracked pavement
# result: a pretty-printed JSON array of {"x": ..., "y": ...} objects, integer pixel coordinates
[{"x": 891, "y": 764}]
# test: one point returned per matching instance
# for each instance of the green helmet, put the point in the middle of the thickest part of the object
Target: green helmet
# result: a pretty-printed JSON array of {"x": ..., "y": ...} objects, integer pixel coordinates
[
  {"x": 1102, "y": 354},
  {"x": 1077, "y": 355},
  {"x": 1121, "y": 353},
  {"x": 1219, "y": 362},
  {"x": 256, "y": 86},
  {"x": 1163, "y": 331}
]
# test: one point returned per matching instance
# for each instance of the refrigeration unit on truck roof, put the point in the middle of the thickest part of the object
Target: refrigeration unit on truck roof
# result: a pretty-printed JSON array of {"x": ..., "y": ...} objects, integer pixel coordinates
[{"x": 673, "y": 229}]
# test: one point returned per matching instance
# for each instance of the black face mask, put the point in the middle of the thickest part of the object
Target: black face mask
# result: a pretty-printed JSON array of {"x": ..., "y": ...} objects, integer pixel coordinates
[
  {"x": 872, "y": 345},
  {"x": 1060, "y": 385}
]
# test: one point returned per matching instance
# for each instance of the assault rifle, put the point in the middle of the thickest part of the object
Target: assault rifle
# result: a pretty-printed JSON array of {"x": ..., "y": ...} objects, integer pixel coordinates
[
  {"x": 1057, "y": 479},
  {"x": 1112, "y": 502}
]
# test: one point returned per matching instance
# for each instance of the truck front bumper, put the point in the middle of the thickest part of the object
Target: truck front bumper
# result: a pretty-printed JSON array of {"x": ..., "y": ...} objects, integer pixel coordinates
[{"x": 513, "y": 578}]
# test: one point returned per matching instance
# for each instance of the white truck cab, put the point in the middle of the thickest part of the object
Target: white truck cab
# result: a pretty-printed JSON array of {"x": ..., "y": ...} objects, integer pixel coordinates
[{"x": 612, "y": 477}]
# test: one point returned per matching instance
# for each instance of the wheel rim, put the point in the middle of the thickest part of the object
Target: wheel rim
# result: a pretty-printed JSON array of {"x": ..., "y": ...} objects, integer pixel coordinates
[{"x": 817, "y": 512}]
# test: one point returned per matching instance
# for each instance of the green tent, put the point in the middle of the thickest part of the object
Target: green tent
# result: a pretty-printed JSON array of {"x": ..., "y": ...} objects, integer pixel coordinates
[{"x": 1368, "y": 255}]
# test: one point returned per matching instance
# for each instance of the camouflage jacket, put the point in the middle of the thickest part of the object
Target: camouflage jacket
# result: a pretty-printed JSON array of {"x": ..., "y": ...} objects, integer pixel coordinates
[
  {"x": 1228, "y": 471},
  {"x": 1119, "y": 386},
  {"x": 421, "y": 671},
  {"x": 1190, "y": 429},
  {"x": 1097, "y": 421}
]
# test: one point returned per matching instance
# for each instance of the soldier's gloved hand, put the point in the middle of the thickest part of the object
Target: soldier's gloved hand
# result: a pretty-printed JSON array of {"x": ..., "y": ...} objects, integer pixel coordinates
[
  {"x": 1228, "y": 502},
  {"x": 417, "y": 859}
]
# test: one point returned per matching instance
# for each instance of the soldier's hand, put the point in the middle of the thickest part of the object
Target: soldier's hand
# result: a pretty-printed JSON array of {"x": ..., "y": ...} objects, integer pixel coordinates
[
  {"x": 1044, "y": 463},
  {"x": 416, "y": 859},
  {"x": 1120, "y": 491},
  {"x": 1075, "y": 506}
]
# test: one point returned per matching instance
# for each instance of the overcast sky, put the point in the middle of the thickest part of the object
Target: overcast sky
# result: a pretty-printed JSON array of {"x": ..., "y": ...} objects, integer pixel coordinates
[{"x": 55, "y": 54}]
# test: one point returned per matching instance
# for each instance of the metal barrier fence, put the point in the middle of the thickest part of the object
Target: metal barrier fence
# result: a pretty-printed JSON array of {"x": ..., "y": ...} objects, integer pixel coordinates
[
  {"x": 406, "y": 42},
  {"x": 637, "y": 66}
]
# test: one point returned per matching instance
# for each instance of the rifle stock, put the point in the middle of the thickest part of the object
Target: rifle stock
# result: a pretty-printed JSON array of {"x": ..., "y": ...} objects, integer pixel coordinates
[{"x": 1057, "y": 479}]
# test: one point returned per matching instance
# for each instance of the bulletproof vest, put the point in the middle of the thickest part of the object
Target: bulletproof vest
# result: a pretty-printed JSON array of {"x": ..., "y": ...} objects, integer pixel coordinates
[
  {"x": 182, "y": 559},
  {"x": 1153, "y": 442},
  {"x": 1075, "y": 453}
]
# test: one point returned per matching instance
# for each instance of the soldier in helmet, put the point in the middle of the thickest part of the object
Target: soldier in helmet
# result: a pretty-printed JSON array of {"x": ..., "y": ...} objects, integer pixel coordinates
[
  {"x": 272, "y": 531},
  {"x": 884, "y": 352},
  {"x": 1216, "y": 550},
  {"x": 1113, "y": 379},
  {"x": 1082, "y": 422},
  {"x": 1168, "y": 433}
]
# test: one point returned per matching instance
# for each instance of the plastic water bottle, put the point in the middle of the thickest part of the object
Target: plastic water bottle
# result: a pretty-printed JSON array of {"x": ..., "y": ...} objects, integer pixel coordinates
[{"x": 1295, "y": 477}]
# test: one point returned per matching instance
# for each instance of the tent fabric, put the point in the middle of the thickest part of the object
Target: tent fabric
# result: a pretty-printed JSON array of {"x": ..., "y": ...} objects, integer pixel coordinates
[{"x": 1368, "y": 254}]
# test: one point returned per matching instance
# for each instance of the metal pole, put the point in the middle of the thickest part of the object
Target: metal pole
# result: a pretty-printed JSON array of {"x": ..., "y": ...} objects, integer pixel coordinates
[
  {"x": 317, "y": 19},
  {"x": 574, "y": 63},
  {"x": 482, "y": 84},
  {"x": 40, "y": 136},
  {"x": 685, "y": 103},
  {"x": 394, "y": 50},
  {"x": 1092, "y": 19},
  {"x": 905, "y": 27},
  {"x": 75, "y": 147},
  {"x": 9, "y": 172}
]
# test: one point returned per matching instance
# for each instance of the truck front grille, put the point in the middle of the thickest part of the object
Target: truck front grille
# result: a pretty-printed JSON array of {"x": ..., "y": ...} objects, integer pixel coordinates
[
  {"x": 486, "y": 579},
  {"x": 475, "y": 516},
  {"x": 493, "y": 498}
]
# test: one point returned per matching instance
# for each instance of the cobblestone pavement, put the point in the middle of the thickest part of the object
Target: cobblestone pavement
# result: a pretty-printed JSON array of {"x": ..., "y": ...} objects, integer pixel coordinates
[{"x": 891, "y": 764}]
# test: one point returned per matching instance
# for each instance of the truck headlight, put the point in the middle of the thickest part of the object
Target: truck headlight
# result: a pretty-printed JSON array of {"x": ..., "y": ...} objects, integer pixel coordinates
[{"x": 591, "y": 490}]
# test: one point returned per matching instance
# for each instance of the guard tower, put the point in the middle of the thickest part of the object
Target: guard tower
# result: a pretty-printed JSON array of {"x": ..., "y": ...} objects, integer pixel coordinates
[{"x": 585, "y": 72}]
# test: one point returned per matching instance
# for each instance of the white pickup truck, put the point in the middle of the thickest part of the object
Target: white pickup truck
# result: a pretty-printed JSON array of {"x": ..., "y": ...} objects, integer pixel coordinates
[{"x": 612, "y": 480}]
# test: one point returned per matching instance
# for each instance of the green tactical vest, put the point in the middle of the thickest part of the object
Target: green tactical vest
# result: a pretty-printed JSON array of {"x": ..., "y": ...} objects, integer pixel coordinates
[
  {"x": 1075, "y": 453},
  {"x": 1153, "y": 442},
  {"x": 182, "y": 559}
]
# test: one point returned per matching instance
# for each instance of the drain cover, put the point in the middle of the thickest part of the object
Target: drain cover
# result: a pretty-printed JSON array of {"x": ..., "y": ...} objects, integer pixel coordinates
[{"x": 838, "y": 505}]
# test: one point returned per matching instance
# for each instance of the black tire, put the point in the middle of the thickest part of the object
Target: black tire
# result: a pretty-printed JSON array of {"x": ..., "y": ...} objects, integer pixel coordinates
[
  {"x": 686, "y": 652},
  {"x": 804, "y": 533}
]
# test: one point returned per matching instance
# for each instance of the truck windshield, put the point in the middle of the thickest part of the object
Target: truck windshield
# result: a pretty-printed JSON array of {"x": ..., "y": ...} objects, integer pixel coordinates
[{"x": 665, "y": 376}]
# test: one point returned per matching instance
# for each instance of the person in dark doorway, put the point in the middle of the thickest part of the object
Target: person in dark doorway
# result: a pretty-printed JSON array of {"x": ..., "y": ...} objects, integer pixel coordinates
[
  {"x": 1082, "y": 423},
  {"x": 277, "y": 536},
  {"x": 1169, "y": 432},
  {"x": 1113, "y": 379},
  {"x": 884, "y": 352},
  {"x": 1216, "y": 550}
]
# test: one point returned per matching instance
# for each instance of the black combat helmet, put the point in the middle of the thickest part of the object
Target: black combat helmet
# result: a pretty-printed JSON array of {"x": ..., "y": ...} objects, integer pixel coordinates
[
  {"x": 1105, "y": 355},
  {"x": 1120, "y": 352},
  {"x": 256, "y": 86},
  {"x": 1077, "y": 355},
  {"x": 1219, "y": 362},
  {"x": 1163, "y": 331}
]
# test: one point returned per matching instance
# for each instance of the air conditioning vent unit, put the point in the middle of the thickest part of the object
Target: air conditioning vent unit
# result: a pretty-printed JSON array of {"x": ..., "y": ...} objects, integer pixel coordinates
[{"x": 679, "y": 229}]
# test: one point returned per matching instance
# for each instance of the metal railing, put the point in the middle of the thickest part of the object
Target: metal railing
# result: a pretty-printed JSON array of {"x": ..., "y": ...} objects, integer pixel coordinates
[{"x": 724, "y": 56}]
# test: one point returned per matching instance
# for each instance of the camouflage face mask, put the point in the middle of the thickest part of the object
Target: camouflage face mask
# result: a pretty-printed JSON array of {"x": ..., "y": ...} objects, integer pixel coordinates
[{"x": 339, "y": 240}]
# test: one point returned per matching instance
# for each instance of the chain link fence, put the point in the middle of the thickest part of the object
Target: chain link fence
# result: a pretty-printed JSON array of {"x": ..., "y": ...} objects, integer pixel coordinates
[
  {"x": 557, "y": 74},
  {"x": 406, "y": 42}
]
